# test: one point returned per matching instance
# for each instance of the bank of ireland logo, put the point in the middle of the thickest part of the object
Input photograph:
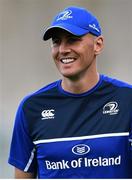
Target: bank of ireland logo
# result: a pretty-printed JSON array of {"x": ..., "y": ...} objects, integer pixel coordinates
[
  {"x": 48, "y": 114},
  {"x": 65, "y": 15},
  {"x": 111, "y": 108},
  {"x": 81, "y": 149}
]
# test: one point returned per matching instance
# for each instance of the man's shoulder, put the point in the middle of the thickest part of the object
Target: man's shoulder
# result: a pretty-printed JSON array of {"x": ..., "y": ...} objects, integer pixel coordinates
[
  {"x": 117, "y": 83},
  {"x": 46, "y": 88},
  {"x": 45, "y": 91}
]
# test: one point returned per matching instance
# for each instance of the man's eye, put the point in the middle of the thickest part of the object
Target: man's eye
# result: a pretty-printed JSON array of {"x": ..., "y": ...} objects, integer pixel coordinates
[
  {"x": 55, "y": 41},
  {"x": 74, "y": 39}
]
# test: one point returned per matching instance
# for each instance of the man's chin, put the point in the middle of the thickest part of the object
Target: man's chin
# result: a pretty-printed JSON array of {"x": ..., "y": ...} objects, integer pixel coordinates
[{"x": 72, "y": 76}]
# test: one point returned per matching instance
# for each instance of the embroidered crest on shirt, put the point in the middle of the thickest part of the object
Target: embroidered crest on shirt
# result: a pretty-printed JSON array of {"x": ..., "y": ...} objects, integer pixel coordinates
[{"x": 111, "y": 108}]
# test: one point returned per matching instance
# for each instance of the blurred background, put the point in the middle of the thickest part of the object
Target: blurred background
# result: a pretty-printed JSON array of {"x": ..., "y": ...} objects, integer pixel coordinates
[{"x": 25, "y": 60}]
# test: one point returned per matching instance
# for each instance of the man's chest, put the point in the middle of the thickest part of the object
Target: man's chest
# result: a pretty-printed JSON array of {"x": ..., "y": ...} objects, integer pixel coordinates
[
  {"x": 77, "y": 117},
  {"x": 74, "y": 136}
]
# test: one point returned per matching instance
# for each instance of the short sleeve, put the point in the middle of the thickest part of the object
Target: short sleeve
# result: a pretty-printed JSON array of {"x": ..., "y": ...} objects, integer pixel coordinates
[
  {"x": 22, "y": 150},
  {"x": 130, "y": 136}
]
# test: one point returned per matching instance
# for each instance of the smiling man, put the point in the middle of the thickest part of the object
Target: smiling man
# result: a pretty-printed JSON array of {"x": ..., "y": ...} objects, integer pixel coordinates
[{"x": 79, "y": 126}]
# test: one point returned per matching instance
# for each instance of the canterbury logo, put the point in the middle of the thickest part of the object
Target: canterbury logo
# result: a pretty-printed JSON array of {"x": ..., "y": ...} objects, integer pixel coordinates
[
  {"x": 48, "y": 114},
  {"x": 111, "y": 108},
  {"x": 65, "y": 15}
]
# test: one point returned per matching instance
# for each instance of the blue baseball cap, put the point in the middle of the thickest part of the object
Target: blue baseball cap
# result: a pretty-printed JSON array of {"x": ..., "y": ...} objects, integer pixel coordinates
[{"x": 76, "y": 20}]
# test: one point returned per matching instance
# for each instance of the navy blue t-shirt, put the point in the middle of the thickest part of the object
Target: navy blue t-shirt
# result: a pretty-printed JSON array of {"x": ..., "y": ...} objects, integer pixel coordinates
[{"x": 65, "y": 135}]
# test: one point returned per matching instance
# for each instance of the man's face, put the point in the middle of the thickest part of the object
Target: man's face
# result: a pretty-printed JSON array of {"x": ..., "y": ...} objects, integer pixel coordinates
[{"x": 74, "y": 56}]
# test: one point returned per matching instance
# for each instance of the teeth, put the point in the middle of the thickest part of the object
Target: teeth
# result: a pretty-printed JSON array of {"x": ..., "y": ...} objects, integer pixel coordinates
[{"x": 68, "y": 60}]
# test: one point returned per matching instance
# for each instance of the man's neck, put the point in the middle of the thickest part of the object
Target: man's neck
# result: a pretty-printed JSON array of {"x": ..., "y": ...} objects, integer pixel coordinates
[{"x": 81, "y": 85}]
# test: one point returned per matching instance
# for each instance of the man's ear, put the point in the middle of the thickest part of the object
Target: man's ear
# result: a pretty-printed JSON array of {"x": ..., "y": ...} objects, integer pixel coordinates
[{"x": 99, "y": 44}]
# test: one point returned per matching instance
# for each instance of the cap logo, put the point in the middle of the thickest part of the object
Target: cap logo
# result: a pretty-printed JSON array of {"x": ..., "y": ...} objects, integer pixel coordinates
[
  {"x": 93, "y": 26},
  {"x": 65, "y": 15}
]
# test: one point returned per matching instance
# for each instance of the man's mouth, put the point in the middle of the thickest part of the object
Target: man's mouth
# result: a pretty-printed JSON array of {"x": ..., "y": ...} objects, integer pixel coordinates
[{"x": 67, "y": 60}]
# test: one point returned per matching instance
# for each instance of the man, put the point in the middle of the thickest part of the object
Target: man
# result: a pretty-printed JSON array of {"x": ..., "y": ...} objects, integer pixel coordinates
[{"x": 79, "y": 126}]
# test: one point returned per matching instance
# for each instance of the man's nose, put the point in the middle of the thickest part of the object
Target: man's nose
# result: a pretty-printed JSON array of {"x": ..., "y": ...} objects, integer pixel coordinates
[{"x": 64, "y": 48}]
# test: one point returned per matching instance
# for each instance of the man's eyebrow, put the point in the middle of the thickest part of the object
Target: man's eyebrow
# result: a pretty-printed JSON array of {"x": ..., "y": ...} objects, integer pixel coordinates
[{"x": 73, "y": 36}]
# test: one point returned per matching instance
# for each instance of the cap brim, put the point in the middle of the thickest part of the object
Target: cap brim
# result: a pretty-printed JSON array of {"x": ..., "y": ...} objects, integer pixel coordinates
[{"x": 77, "y": 31}]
